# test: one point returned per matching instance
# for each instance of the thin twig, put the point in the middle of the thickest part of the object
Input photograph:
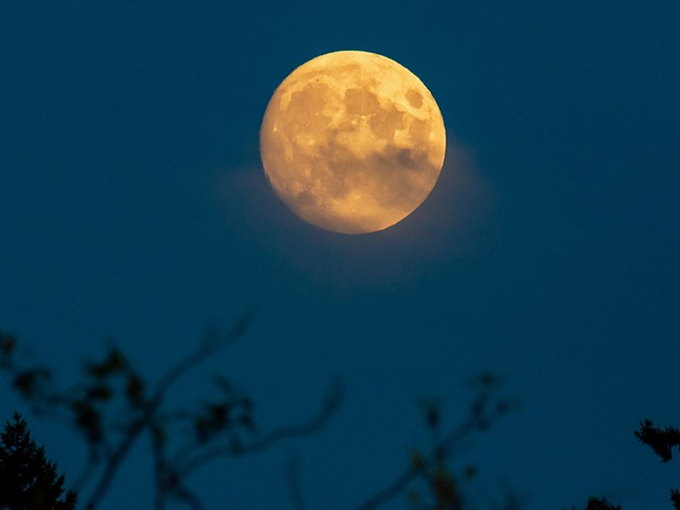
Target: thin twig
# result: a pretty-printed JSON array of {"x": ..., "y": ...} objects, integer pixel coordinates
[
  {"x": 294, "y": 485},
  {"x": 213, "y": 343},
  {"x": 114, "y": 460},
  {"x": 479, "y": 419},
  {"x": 86, "y": 473},
  {"x": 188, "y": 497},
  {"x": 160, "y": 470},
  {"x": 303, "y": 429},
  {"x": 412, "y": 472}
]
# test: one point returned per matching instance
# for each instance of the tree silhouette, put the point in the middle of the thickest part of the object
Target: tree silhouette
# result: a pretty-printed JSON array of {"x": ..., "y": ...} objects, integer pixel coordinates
[
  {"x": 600, "y": 504},
  {"x": 114, "y": 405},
  {"x": 430, "y": 479},
  {"x": 661, "y": 441},
  {"x": 28, "y": 481}
]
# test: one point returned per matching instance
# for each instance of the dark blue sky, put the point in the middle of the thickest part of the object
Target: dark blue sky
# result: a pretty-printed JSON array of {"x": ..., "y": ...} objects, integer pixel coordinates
[{"x": 133, "y": 205}]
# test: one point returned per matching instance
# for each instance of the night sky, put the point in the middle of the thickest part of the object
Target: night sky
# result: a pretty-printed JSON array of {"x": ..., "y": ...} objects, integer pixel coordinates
[{"x": 133, "y": 206}]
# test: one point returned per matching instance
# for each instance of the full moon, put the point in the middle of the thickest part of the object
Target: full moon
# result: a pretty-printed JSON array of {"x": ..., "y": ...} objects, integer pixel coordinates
[{"x": 352, "y": 142}]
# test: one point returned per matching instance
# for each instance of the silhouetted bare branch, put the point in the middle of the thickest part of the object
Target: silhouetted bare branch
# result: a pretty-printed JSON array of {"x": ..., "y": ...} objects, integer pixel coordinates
[
  {"x": 331, "y": 403},
  {"x": 484, "y": 411},
  {"x": 111, "y": 433},
  {"x": 214, "y": 341},
  {"x": 294, "y": 484}
]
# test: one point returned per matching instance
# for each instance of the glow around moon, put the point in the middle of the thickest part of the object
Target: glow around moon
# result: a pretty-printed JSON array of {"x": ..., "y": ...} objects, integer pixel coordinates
[{"x": 352, "y": 142}]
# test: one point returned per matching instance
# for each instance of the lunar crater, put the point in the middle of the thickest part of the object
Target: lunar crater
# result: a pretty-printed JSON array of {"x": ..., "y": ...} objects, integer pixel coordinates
[{"x": 414, "y": 98}]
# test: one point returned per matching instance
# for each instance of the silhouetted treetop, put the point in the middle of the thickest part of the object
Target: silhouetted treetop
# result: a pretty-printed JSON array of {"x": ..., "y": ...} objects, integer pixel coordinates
[
  {"x": 601, "y": 504},
  {"x": 28, "y": 481},
  {"x": 113, "y": 405},
  {"x": 660, "y": 440}
]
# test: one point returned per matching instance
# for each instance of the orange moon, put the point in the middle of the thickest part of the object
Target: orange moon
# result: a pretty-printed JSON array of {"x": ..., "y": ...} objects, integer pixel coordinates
[{"x": 352, "y": 142}]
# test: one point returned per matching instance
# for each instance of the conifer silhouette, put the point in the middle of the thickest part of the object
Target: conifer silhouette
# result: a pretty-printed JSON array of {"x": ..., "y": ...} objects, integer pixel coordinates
[{"x": 28, "y": 480}]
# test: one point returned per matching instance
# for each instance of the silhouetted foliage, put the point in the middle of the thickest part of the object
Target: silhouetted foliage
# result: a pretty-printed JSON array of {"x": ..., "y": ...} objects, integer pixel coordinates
[
  {"x": 662, "y": 442},
  {"x": 601, "y": 504},
  {"x": 114, "y": 405},
  {"x": 28, "y": 481},
  {"x": 675, "y": 499},
  {"x": 441, "y": 485},
  {"x": 428, "y": 480}
]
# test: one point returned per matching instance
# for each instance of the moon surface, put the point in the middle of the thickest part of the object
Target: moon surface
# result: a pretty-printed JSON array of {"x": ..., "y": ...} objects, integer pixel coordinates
[{"x": 352, "y": 142}]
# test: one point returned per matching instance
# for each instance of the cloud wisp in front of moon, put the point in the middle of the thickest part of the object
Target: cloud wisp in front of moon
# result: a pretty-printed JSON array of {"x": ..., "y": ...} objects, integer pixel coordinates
[{"x": 352, "y": 142}]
